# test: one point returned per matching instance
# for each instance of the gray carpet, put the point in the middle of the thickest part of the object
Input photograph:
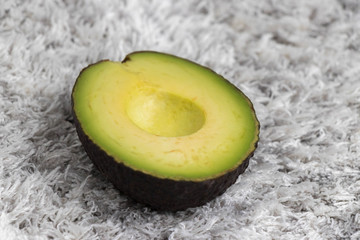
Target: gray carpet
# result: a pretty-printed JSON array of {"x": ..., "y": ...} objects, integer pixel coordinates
[{"x": 299, "y": 62}]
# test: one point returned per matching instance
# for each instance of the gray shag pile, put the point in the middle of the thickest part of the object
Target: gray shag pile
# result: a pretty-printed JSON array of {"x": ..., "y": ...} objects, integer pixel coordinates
[{"x": 299, "y": 61}]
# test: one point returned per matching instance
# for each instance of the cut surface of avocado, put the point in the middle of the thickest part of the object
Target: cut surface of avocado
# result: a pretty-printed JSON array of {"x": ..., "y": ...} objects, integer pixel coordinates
[{"x": 165, "y": 116}]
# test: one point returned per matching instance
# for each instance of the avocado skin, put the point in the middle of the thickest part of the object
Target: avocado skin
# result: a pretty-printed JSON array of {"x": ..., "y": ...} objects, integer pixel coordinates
[{"x": 157, "y": 193}]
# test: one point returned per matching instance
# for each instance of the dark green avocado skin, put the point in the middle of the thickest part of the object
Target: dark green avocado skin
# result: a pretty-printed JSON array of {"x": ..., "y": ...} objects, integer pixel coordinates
[{"x": 157, "y": 193}]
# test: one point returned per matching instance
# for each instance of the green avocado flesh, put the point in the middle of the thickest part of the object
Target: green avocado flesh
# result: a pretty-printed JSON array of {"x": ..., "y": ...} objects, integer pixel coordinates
[{"x": 165, "y": 116}]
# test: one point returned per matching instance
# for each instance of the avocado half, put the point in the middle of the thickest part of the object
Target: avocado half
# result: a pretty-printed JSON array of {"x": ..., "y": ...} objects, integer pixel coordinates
[{"x": 166, "y": 131}]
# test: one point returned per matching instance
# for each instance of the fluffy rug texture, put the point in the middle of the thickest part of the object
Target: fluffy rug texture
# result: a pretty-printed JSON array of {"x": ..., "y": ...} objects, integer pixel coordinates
[{"x": 299, "y": 62}]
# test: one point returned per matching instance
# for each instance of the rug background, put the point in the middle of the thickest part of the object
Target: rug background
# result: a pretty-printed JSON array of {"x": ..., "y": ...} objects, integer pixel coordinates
[{"x": 299, "y": 61}]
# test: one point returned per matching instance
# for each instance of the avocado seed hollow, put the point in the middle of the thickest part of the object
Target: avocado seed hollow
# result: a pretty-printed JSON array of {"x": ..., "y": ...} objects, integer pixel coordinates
[{"x": 163, "y": 113}]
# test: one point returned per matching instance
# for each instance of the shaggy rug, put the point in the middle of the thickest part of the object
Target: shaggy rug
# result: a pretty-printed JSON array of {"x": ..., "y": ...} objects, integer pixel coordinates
[{"x": 299, "y": 62}]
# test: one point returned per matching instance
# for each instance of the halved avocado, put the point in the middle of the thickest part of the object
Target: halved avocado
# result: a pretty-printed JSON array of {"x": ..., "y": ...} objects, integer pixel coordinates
[{"x": 166, "y": 131}]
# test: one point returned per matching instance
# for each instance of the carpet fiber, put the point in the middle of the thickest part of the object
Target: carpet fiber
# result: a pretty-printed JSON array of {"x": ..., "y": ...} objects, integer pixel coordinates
[{"x": 299, "y": 62}]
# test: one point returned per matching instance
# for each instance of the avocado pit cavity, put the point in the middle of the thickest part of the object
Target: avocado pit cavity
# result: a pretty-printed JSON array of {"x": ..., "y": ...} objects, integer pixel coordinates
[{"x": 164, "y": 114}]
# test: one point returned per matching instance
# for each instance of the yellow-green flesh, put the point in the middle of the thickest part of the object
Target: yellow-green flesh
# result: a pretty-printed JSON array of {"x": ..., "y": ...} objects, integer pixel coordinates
[{"x": 165, "y": 116}]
